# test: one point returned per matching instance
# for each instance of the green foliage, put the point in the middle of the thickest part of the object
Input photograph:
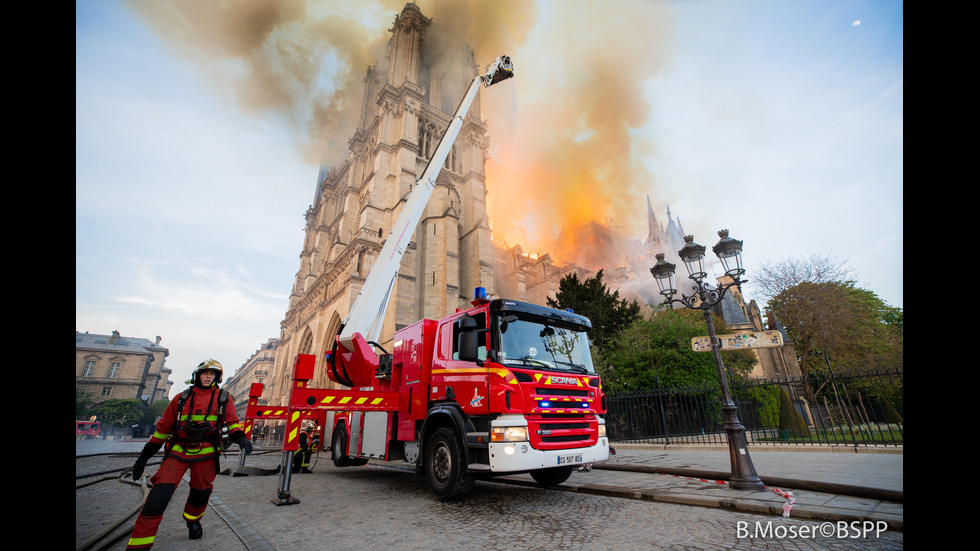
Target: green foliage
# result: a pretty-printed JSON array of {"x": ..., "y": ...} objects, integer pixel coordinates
[
  {"x": 155, "y": 410},
  {"x": 123, "y": 413},
  {"x": 608, "y": 313},
  {"x": 835, "y": 324},
  {"x": 791, "y": 422},
  {"x": 656, "y": 352},
  {"x": 768, "y": 399},
  {"x": 83, "y": 405}
]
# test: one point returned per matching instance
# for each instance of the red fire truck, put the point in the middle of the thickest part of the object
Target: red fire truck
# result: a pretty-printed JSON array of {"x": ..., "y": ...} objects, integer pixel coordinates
[
  {"x": 87, "y": 429},
  {"x": 503, "y": 387}
]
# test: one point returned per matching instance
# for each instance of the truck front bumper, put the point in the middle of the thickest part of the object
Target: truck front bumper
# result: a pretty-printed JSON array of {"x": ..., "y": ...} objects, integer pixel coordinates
[{"x": 520, "y": 456}]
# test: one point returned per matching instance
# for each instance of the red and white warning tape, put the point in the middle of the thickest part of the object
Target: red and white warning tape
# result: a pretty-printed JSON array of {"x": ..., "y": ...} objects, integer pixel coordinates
[{"x": 787, "y": 507}]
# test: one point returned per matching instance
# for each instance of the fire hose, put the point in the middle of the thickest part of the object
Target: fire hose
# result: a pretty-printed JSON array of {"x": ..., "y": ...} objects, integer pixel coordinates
[
  {"x": 124, "y": 476},
  {"x": 144, "y": 485}
]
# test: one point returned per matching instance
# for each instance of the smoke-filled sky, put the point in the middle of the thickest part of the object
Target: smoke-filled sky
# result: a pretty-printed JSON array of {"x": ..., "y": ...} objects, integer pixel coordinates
[{"x": 200, "y": 128}]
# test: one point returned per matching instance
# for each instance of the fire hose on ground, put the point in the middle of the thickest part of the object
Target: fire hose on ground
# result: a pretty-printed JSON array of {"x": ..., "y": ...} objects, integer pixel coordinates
[
  {"x": 124, "y": 476},
  {"x": 144, "y": 485}
]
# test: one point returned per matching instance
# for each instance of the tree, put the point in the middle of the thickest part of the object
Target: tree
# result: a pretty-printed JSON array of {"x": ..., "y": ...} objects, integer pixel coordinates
[
  {"x": 608, "y": 313},
  {"x": 123, "y": 413},
  {"x": 156, "y": 409},
  {"x": 841, "y": 325},
  {"x": 657, "y": 352},
  {"x": 772, "y": 278},
  {"x": 83, "y": 403}
]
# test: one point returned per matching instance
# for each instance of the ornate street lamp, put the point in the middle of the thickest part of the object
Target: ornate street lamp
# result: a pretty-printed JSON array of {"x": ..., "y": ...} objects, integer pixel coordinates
[{"x": 704, "y": 298}]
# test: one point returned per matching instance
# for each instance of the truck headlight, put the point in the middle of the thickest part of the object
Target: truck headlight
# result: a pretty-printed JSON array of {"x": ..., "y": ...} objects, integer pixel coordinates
[
  {"x": 602, "y": 430},
  {"x": 508, "y": 434}
]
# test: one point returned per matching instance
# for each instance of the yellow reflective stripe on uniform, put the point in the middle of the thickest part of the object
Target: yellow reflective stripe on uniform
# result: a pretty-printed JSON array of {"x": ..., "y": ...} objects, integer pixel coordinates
[
  {"x": 233, "y": 427},
  {"x": 200, "y": 418},
  {"x": 141, "y": 541},
  {"x": 178, "y": 449},
  {"x": 192, "y": 517},
  {"x": 161, "y": 435}
]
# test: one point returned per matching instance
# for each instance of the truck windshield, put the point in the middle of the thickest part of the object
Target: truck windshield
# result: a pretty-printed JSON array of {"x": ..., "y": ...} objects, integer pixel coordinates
[{"x": 543, "y": 346}]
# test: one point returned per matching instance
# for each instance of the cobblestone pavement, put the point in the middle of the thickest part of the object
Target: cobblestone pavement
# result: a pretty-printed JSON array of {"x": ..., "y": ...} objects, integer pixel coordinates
[{"x": 380, "y": 507}]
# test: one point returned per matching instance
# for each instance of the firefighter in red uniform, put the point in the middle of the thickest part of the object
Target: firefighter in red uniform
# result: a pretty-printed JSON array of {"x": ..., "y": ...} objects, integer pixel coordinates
[
  {"x": 191, "y": 430},
  {"x": 301, "y": 458}
]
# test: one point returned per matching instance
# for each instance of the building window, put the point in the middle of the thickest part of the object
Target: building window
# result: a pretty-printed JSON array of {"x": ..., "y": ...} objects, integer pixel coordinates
[
  {"x": 424, "y": 141},
  {"x": 88, "y": 369},
  {"x": 452, "y": 160},
  {"x": 106, "y": 391},
  {"x": 307, "y": 346},
  {"x": 113, "y": 370}
]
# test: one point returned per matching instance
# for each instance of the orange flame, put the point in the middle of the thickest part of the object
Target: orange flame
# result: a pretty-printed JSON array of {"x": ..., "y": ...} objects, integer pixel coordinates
[{"x": 564, "y": 151}]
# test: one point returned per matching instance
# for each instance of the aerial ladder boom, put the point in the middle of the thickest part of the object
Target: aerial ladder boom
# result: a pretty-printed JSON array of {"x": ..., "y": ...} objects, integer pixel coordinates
[{"x": 363, "y": 324}]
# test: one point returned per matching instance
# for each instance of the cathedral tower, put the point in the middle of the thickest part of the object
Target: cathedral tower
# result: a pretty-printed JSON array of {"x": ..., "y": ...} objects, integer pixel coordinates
[{"x": 405, "y": 109}]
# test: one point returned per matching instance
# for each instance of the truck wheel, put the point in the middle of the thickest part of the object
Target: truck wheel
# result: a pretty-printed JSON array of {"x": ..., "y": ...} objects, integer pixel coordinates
[
  {"x": 338, "y": 450},
  {"x": 444, "y": 469},
  {"x": 552, "y": 476},
  {"x": 338, "y": 447}
]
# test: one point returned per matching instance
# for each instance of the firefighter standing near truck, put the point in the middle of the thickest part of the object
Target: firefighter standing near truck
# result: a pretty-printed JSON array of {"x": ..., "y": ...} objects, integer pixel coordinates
[
  {"x": 301, "y": 459},
  {"x": 190, "y": 430}
]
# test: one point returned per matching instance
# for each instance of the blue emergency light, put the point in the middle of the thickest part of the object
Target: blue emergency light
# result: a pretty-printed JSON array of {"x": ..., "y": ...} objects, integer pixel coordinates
[{"x": 480, "y": 293}]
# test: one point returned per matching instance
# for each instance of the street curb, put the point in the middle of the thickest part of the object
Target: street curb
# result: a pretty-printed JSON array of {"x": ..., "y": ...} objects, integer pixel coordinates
[
  {"x": 798, "y": 484},
  {"x": 819, "y": 448},
  {"x": 807, "y": 512}
]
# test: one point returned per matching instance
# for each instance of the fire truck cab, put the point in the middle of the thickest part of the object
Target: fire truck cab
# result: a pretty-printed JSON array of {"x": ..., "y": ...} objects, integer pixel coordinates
[{"x": 505, "y": 387}]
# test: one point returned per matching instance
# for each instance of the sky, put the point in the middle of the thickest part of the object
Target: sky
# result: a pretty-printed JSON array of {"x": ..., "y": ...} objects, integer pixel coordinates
[{"x": 200, "y": 128}]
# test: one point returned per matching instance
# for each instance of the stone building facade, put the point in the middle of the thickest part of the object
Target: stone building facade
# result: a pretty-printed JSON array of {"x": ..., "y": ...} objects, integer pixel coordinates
[
  {"x": 405, "y": 109},
  {"x": 114, "y": 366},
  {"x": 739, "y": 316},
  {"x": 258, "y": 368}
]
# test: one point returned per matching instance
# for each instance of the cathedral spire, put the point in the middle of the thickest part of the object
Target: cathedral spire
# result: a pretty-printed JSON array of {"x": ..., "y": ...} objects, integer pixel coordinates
[{"x": 654, "y": 230}]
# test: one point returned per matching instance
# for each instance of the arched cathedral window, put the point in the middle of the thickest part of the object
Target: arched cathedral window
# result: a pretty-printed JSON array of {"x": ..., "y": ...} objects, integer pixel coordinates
[{"x": 429, "y": 140}]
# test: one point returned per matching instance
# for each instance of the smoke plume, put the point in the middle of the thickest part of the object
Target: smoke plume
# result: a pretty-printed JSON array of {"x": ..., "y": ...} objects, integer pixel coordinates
[
  {"x": 563, "y": 150},
  {"x": 570, "y": 155}
]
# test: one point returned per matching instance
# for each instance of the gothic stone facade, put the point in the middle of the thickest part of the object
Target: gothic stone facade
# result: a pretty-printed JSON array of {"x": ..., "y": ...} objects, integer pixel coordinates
[{"x": 405, "y": 111}]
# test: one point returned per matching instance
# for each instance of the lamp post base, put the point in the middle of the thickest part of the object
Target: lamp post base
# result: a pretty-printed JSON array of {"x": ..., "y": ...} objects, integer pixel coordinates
[{"x": 743, "y": 476}]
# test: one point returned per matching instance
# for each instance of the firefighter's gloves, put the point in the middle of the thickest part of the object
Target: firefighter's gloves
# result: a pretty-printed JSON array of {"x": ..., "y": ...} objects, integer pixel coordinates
[
  {"x": 244, "y": 443},
  {"x": 238, "y": 437},
  {"x": 138, "y": 468},
  {"x": 149, "y": 450}
]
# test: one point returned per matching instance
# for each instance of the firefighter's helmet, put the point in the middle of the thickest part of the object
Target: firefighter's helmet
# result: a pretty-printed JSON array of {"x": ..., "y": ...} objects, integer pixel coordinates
[
  {"x": 309, "y": 427},
  {"x": 209, "y": 365}
]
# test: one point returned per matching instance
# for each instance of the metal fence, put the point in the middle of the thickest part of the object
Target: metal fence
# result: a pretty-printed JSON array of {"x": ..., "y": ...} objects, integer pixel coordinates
[{"x": 858, "y": 408}]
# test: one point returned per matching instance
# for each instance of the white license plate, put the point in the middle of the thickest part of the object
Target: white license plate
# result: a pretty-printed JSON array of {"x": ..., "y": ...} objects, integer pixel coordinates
[{"x": 569, "y": 459}]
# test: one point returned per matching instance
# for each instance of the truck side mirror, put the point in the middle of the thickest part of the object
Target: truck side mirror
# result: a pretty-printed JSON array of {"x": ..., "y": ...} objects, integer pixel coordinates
[
  {"x": 468, "y": 341},
  {"x": 504, "y": 321}
]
